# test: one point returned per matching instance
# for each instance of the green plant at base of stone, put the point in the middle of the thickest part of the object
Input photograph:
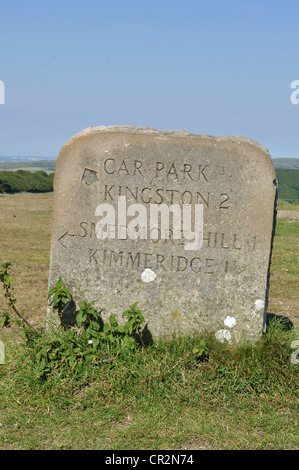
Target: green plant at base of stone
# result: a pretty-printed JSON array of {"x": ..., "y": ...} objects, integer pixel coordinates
[
  {"x": 61, "y": 297},
  {"x": 7, "y": 281},
  {"x": 58, "y": 351},
  {"x": 127, "y": 333},
  {"x": 201, "y": 352},
  {"x": 89, "y": 340},
  {"x": 88, "y": 320},
  {"x": 135, "y": 320},
  {"x": 112, "y": 331}
]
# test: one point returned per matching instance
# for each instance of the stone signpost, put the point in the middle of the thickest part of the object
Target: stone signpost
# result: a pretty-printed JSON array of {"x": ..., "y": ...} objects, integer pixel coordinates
[{"x": 181, "y": 223}]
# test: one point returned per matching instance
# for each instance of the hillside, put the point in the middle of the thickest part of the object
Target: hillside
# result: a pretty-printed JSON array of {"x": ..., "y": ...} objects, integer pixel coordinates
[{"x": 288, "y": 185}]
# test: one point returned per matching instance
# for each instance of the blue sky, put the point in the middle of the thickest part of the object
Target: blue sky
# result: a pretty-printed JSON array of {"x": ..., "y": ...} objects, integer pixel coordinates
[{"x": 213, "y": 67}]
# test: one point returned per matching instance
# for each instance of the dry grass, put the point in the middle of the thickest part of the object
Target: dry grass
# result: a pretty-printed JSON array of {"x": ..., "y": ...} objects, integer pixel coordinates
[
  {"x": 284, "y": 281},
  {"x": 25, "y": 231}
]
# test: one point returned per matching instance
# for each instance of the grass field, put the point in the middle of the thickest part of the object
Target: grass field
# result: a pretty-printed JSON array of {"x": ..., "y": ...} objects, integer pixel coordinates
[
  {"x": 245, "y": 398},
  {"x": 44, "y": 165}
]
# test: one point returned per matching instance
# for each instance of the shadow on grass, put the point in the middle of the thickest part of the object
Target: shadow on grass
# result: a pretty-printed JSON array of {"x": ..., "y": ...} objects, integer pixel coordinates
[{"x": 285, "y": 322}]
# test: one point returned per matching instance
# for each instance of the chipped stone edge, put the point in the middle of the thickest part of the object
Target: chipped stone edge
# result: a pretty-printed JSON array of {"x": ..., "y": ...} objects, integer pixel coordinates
[{"x": 170, "y": 133}]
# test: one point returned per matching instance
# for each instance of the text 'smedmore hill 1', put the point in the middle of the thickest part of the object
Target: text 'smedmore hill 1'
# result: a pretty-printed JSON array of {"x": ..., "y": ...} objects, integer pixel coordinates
[{"x": 181, "y": 223}]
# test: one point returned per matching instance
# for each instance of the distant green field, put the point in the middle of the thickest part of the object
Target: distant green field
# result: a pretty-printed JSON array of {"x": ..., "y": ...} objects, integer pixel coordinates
[
  {"x": 288, "y": 185},
  {"x": 46, "y": 165}
]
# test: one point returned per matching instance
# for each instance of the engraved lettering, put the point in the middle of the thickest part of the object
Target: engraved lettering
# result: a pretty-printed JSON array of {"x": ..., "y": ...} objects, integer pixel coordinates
[
  {"x": 161, "y": 198},
  {"x": 147, "y": 260},
  {"x": 123, "y": 167},
  {"x": 135, "y": 196},
  {"x": 155, "y": 234},
  {"x": 160, "y": 259},
  {"x": 215, "y": 239},
  {"x": 172, "y": 171},
  {"x": 226, "y": 267},
  {"x": 222, "y": 241},
  {"x": 106, "y": 165},
  {"x": 148, "y": 198},
  {"x": 92, "y": 254},
  {"x": 200, "y": 199},
  {"x": 115, "y": 257},
  {"x": 137, "y": 166},
  {"x": 159, "y": 167},
  {"x": 209, "y": 265},
  {"x": 67, "y": 240},
  {"x": 92, "y": 230},
  {"x": 235, "y": 243},
  {"x": 172, "y": 191},
  {"x": 195, "y": 267},
  {"x": 208, "y": 239},
  {"x": 187, "y": 169},
  {"x": 182, "y": 263},
  {"x": 107, "y": 192},
  {"x": 134, "y": 260},
  {"x": 84, "y": 229},
  {"x": 225, "y": 198},
  {"x": 186, "y": 200},
  {"x": 169, "y": 235},
  {"x": 201, "y": 172}
]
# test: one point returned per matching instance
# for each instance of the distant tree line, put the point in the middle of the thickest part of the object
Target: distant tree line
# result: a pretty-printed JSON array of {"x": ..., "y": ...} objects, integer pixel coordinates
[{"x": 26, "y": 181}]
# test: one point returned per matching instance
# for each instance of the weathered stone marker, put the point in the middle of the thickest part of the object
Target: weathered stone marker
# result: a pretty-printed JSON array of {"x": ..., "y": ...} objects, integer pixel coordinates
[{"x": 109, "y": 184}]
